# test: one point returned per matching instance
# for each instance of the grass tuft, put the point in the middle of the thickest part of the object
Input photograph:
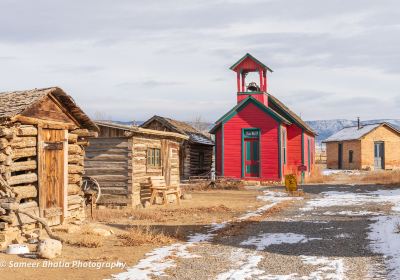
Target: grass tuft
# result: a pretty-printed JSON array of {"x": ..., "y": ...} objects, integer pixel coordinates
[{"x": 137, "y": 236}]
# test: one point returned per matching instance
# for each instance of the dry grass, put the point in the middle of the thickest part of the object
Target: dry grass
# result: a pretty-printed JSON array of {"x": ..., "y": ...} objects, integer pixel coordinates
[
  {"x": 84, "y": 238},
  {"x": 237, "y": 227},
  {"x": 137, "y": 236},
  {"x": 382, "y": 177},
  {"x": 154, "y": 214},
  {"x": 317, "y": 176}
]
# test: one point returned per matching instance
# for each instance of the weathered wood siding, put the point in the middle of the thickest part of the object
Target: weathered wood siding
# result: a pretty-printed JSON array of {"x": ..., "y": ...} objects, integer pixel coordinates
[
  {"x": 189, "y": 154},
  {"x": 141, "y": 172},
  {"x": 108, "y": 160},
  {"x": 197, "y": 168},
  {"x": 218, "y": 153}
]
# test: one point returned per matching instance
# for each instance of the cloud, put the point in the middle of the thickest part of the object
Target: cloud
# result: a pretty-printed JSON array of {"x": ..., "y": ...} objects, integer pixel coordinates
[{"x": 330, "y": 58}]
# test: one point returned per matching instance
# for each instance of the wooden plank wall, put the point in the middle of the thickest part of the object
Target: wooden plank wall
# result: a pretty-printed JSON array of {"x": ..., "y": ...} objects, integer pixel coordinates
[
  {"x": 194, "y": 166},
  {"x": 107, "y": 160},
  {"x": 141, "y": 171}
]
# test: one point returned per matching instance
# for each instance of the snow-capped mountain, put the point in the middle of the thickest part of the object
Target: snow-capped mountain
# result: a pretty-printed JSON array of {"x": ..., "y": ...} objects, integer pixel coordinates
[{"x": 326, "y": 128}]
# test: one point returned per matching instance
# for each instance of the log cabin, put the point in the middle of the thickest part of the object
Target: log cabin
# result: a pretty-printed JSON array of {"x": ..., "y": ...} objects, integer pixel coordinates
[
  {"x": 364, "y": 147},
  {"x": 43, "y": 133},
  {"x": 260, "y": 138},
  {"x": 123, "y": 158},
  {"x": 196, "y": 154}
]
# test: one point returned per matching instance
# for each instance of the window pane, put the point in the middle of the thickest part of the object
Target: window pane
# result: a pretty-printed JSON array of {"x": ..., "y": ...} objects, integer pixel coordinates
[
  {"x": 255, "y": 150},
  {"x": 248, "y": 150}
]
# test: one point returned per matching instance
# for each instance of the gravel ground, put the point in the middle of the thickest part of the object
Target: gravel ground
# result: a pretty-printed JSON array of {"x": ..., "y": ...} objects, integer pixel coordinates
[{"x": 323, "y": 236}]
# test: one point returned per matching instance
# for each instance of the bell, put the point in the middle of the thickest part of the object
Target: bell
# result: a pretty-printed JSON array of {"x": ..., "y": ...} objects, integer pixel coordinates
[{"x": 253, "y": 87}]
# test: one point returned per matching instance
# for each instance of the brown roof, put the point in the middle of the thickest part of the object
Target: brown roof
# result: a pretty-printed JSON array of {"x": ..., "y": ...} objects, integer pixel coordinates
[
  {"x": 140, "y": 130},
  {"x": 183, "y": 128},
  {"x": 284, "y": 110},
  {"x": 14, "y": 103}
]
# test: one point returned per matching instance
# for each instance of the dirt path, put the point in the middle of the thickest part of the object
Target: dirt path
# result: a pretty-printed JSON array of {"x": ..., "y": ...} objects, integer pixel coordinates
[{"x": 335, "y": 232}]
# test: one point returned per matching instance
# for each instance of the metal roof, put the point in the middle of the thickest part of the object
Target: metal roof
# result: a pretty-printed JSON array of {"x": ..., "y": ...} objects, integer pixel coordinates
[{"x": 355, "y": 133}]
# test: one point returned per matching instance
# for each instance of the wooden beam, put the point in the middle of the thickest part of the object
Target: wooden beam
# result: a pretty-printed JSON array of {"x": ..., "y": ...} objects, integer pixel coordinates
[{"x": 43, "y": 123}]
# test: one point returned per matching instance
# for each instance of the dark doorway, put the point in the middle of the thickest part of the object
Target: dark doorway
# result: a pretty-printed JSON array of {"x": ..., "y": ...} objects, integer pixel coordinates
[
  {"x": 379, "y": 155},
  {"x": 340, "y": 156}
]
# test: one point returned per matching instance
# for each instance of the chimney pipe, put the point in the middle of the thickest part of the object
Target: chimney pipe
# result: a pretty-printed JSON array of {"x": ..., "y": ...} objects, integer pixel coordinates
[{"x": 358, "y": 123}]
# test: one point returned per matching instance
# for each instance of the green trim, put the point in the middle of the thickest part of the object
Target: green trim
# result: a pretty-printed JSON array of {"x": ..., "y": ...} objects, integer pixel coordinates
[
  {"x": 242, "y": 161},
  {"x": 222, "y": 150},
  {"x": 251, "y": 92},
  {"x": 279, "y": 152},
  {"x": 235, "y": 110},
  {"x": 247, "y": 55}
]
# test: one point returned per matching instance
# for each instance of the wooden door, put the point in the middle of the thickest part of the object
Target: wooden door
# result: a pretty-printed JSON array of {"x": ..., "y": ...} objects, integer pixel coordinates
[
  {"x": 379, "y": 155},
  {"x": 340, "y": 156},
  {"x": 52, "y": 174},
  {"x": 251, "y": 158}
]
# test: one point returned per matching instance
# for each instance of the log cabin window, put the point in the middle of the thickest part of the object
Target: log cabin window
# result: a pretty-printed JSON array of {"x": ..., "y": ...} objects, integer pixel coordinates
[
  {"x": 201, "y": 159},
  {"x": 351, "y": 156},
  {"x": 153, "y": 157}
]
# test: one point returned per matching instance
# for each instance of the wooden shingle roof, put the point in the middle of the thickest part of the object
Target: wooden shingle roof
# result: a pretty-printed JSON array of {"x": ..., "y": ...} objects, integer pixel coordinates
[
  {"x": 292, "y": 116},
  {"x": 14, "y": 103},
  {"x": 139, "y": 130},
  {"x": 184, "y": 128}
]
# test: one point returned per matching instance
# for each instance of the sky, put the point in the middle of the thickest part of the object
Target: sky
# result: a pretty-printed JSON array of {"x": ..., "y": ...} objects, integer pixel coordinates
[{"x": 128, "y": 60}]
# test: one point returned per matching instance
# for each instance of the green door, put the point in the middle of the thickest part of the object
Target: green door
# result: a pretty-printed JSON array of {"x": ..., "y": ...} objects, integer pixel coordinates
[{"x": 251, "y": 158}]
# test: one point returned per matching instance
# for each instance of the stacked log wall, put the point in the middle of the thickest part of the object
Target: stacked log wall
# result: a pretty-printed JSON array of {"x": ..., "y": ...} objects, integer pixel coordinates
[
  {"x": 19, "y": 170},
  {"x": 108, "y": 160},
  {"x": 78, "y": 141},
  {"x": 142, "y": 171}
]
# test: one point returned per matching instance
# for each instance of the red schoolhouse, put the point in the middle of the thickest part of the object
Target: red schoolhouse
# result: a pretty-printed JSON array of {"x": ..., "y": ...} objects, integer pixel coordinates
[{"x": 260, "y": 138}]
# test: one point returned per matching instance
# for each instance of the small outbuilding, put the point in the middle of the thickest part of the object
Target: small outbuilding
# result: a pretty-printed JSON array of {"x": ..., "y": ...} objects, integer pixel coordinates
[
  {"x": 123, "y": 158},
  {"x": 367, "y": 147},
  {"x": 196, "y": 154},
  {"x": 42, "y": 138}
]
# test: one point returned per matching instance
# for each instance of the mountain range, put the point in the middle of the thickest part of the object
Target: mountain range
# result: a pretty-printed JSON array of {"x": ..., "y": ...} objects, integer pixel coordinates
[{"x": 324, "y": 128}]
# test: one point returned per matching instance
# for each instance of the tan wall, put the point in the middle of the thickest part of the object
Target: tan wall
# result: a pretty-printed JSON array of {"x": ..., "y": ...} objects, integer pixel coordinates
[
  {"x": 392, "y": 152},
  {"x": 332, "y": 155},
  {"x": 333, "y": 158}
]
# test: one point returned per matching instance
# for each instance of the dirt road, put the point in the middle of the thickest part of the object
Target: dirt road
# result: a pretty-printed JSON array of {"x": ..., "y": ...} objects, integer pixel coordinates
[{"x": 333, "y": 232}]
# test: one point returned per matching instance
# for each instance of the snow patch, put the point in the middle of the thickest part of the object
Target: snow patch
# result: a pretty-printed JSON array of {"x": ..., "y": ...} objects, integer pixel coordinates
[
  {"x": 350, "y": 213},
  {"x": 247, "y": 266},
  {"x": 269, "y": 196},
  {"x": 385, "y": 239},
  {"x": 329, "y": 269},
  {"x": 265, "y": 240},
  {"x": 157, "y": 261},
  {"x": 336, "y": 198}
]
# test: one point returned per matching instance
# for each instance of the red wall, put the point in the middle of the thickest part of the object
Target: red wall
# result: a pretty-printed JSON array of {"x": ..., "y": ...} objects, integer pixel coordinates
[
  {"x": 218, "y": 152},
  {"x": 261, "y": 97},
  {"x": 294, "y": 148},
  {"x": 251, "y": 117},
  {"x": 284, "y": 166},
  {"x": 312, "y": 154}
]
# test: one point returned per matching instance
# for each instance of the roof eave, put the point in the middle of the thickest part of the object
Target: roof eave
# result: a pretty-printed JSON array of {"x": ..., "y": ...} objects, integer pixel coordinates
[{"x": 253, "y": 58}]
